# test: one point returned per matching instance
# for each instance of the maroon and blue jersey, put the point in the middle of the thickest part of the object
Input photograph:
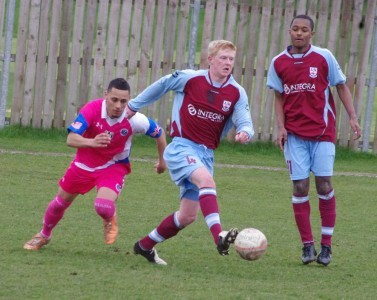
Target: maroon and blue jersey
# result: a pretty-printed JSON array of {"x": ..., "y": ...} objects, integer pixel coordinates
[
  {"x": 203, "y": 112},
  {"x": 304, "y": 80}
]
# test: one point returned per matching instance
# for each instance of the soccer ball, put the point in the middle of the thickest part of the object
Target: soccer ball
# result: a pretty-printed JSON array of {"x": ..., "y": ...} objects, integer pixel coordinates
[{"x": 250, "y": 244}]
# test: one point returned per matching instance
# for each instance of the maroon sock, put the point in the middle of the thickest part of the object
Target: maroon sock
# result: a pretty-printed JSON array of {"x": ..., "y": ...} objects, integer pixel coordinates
[
  {"x": 301, "y": 209},
  {"x": 168, "y": 228},
  {"x": 327, "y": 209},
  {"x": 210, "y": 211}
]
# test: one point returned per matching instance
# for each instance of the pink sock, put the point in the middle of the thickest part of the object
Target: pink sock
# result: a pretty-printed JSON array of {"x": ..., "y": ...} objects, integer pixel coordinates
[
  {"x": 301, "y": 209},
  {"x": 168, "y": 228},
  {"x": 210, "y": 211},
  {"x": 54, "y": 213},
  {"x": 327, "y": 209},
  {"x": 105, "y": 208}
]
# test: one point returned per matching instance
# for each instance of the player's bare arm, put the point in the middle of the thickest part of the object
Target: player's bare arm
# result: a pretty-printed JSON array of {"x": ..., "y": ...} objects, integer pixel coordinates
[
  {"x": 282, "y": 132},
  {"x": 160, "y": 166},
  {"x": 77, "y": 141},
  {"x": 346, "y": 98},
  {"x": 129, "y": 112}
]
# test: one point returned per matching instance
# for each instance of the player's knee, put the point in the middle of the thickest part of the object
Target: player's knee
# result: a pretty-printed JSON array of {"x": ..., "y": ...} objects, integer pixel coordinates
[
  {"x": 207, "y": 182},
  {"x": 187, "y": 219},
  {"x": 300, "y": 187},
  {"x": 323, "y": 185},
  {"x": 324, "y": 188},
  {"x": 202, "y": 179}
]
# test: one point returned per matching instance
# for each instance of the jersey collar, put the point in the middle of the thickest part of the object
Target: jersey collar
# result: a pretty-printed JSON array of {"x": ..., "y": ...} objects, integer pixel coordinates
[{"x": 298, "y": 55}]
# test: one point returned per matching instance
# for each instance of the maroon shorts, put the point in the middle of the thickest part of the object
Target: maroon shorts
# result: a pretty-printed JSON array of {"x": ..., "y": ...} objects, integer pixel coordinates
[{"x": 79, "y": 181}]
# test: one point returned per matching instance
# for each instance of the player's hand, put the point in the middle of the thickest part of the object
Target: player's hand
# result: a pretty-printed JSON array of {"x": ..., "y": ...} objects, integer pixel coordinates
[
  {"x": 101, "y": 140},
  {"x": 160, "y": 167},
  {"x": 129, "y": 113},
  {"x": 242, "y": 137},
  {"x": 355, "y": 128},
  {"x": 282, "y": 138}
]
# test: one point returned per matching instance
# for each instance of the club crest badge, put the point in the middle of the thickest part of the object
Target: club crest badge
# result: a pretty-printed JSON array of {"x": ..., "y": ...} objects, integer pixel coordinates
[
  {"x": 226, "y": 105},
  {"x": 123, "y": 132},
  {"x": 313, "y": 72}
]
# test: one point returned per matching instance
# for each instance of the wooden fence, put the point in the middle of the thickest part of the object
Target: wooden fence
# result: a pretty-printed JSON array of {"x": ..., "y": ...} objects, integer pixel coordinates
[{"x": 68, "y": 50}]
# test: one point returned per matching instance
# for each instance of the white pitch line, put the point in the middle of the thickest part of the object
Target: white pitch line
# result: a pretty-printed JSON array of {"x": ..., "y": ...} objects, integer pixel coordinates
[{"x": 229, "y": 166}]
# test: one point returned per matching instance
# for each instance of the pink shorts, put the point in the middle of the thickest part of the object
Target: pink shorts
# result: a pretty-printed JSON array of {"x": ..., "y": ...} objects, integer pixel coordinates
[{"x": 79, "y": 181}]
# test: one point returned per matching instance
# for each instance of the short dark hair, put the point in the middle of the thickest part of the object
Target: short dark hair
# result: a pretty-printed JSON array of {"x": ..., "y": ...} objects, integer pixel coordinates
[
  {"x": 119, "y": 83},
  {"x": 306, "y": 17}
]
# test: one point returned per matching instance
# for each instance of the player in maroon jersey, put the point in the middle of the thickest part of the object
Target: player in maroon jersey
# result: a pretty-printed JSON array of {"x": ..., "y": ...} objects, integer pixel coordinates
[
  {"x": 206, "y": 105},
  {"x": 301, "y": 77}
]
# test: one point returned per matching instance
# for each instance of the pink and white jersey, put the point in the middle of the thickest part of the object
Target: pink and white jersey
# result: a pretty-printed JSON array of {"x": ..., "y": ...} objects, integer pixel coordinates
[
  {"x": 304, "y": 81},
  {"x": 93, "y": 120}
]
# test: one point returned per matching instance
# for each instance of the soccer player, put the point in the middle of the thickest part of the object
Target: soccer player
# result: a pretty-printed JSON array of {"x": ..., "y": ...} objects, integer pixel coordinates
[
  {"x": 301, "y": 77},
  {"x": 207, "y": 103},
  {"x": 102, "y": 135}
]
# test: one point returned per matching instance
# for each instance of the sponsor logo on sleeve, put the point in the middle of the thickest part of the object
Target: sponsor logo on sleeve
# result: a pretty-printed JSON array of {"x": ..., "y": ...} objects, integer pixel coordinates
[
  {"x": 76, "y": 125},
  {"x": 156, "y": 131}
]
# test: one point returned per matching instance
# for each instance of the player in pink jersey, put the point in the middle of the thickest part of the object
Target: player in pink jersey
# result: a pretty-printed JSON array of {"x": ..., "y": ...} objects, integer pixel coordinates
[
  {"x": 301, "y": 77},
  {"x": 102, "y": 135},
  {"x": 207, "y": 103}
]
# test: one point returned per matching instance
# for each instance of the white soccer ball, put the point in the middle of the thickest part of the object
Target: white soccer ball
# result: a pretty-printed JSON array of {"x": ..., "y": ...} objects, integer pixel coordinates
[{"x": 250, "y": 243}]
